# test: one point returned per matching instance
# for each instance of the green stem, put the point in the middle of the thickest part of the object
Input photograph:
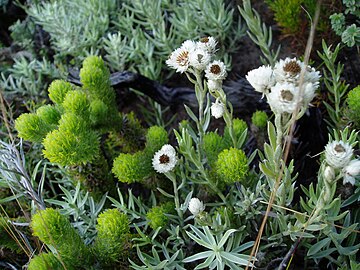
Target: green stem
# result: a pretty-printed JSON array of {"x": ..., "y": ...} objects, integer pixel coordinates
[{"x": 172, "y": 177}]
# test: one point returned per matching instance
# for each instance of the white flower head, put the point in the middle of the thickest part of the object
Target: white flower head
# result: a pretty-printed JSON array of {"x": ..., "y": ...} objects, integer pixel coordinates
[
  {"x": 262, "y": 79},
  {"x": 351, "y": 171},
  {"x": 179, "y": 59},
  {"x": 283, "y": 97},
  {"x": 338, "y": 154},
  {"x": 288, "y": 70},
  {"x": 208, "y": 43},
  {"x": 214, "y": 85},
  {"x": 199, "y": 58},
  {"x": 313, "y": 76},
  {"x": 309, "y": 93},
  {"x": 165, "y": 159},
  {"x": 216, "y": 70},
  {"x": 196, "y": 206},
  {"x": 217, "y": 109}
]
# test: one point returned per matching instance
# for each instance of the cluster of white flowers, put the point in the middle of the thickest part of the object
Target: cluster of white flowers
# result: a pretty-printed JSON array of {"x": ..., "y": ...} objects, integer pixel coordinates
[
  {"x": 339, "y": 155},
  {"x": 281, "y": 84},
  {"x": 165, "y": 159},
  {"x": 198, "y": 55}
]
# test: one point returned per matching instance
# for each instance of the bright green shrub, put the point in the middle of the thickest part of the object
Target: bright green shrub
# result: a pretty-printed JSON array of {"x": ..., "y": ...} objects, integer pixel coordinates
[
  {"x": 353, "y": 101},
  {"x": 112, "y": 238},
  {"x": 46, "y": 261},
  {"x": 156, "y": 137},
  {"x": 130, "y": 168},
  {"x": 72, "y": 143},
  {"x": 76, "y": 102},
  {"x": 231, "y": 166},
  {"x": 58, "y": 90},
  {"x": 49, "y": 114},
  {"x": 31, "y": 127},
  {"x": 213, "y": 145},
  {"x": 157, "y": 217},
  {"x": 259, "y": 119},
  {"x": 56, "y": 230}
]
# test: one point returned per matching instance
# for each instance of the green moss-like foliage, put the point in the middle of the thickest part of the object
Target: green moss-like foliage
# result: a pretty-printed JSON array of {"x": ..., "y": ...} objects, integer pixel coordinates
[
  {"x": 58, "y": 90},
  {"x": 76, "y": 102},
  {"x": 213, "y": 145},
  {"x": 31, "y": 127},
  {"x": 157, "y": 217},
  {"x": 73, "y": 143},
  {"x": 49, "y": 114},
  {"x": 353, "y": 101},
  {"x": 259, "y": 119},
  {"x": 133, "y": 134},
  {"x": 46, "y": 261},
  {"x": 130, "y": 168},
  {"x": 239, "y": 127},
  {"x": 54, "y": 229},
  {"x": 232, "y": 166},
  {"x": 112, "y": 238},
  {"x": 156, "y": 137},
  {"x": 70, "y": 129},
  {"x": 136, "y": 167}
]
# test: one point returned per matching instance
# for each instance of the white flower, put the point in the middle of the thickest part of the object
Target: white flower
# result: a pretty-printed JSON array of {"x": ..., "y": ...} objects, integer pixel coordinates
[
  {"x": 217, "y": 109},
  {"x": 214, "y": 85},
  {"x": 262, "y": 79},
  {"x": 283, "y": 97},
  {"x": 288, "y": 70},
  {"x": 179, "y": 59},
  {"x": 199, "y": 58},
  {"x": 329, "y": 173},
  {"x": 350, "y": 171},
  {"x": 216, "y": 71},
  {"x": 309, "y": 93},
  {"x": 196, "y": 206},
  {"x": 165, "y": 159},
  {"x": 208, "y": 43},
  {"x": 338, "y": 154}
]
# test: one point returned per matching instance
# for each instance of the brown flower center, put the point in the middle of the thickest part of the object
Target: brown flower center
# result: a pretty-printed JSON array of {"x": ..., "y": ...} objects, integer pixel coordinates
[
  {"x": 182, "y": 58},
  {"x": 204, "y": 40},
  {"x": 287, "y": 95},
  {"x": 339, "y": 148},
  {"x": 292, "y": 67},
  {"x": 164, "y": 159},
  {"x": 215, "y": 69}
]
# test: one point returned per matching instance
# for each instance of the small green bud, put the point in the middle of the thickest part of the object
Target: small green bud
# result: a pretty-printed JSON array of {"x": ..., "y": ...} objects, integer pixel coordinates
[
  {"x": 130, "y": 168},
  {"x": 156, "y": 137},
  {"x": 157, "y": 217},
  {"x": 232, "y": 166},
  {"x": 58, "y": 89},
  {"x": 49, "y": 114},
  {"x": 73, "y": 143},
  {"x": 259, "y": 119},
  {"x": 31, "y": 127},
  {"x": 353, "y": 101},
  {"x": 76, "y": 102}
]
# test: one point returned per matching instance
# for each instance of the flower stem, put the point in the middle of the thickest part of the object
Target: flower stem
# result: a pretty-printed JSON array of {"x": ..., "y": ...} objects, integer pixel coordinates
[{"x": 172, "y": 177}]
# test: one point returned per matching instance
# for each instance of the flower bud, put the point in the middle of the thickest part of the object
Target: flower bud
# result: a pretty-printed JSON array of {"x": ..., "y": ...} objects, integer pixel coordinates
[
  {"x": 217, "y": 109},
  {"x": 329, "y": 174},
  {"x": 350, "y": 171},
  {"x": 196, "y": 206}
]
